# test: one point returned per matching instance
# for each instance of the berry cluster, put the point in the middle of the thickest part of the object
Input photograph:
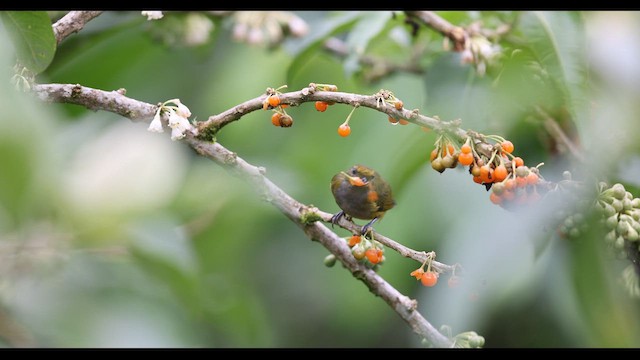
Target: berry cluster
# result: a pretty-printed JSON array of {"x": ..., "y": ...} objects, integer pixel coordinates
[
  {"x": 429, "y": 277},
  {"x": 272, "y": 102},
  {"x": 619, "y": 214},
  {"x": 621, "y": 217},
  {"x": 370, "y": 252},
  {"x": 511, "y": 182}
]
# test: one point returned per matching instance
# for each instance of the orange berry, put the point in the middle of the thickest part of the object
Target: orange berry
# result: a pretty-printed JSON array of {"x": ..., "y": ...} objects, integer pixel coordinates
[
  {"x": 429, "y": 278},
  {"x": 274, "y": 100},
  {"x": 496, "y": 199},
  {"x": 393, "y": 120},
  {"x": 522, "y": 198},
  {"x": 284, "y": 106},
  {"x": 399, "y": 104},
  {"x": 508, "y": 195},
  {"x": 465, "y": 158},
  {"x": 451, "y": 149},
  {"x": 534, "y": 197},
  {"x": 532, "y": 178},
  {"x": 466, "y": 149},
  {"x": 321, "y": 106},
  {"x": 372, "y": 256},
  {"x": 356, "y": 181},
  {"x": 500, "y": 173},
  {"x": 403, "y": 122},
  {"x": 434, "y": 154},
  {"x": 275, "y": 119},
  {"x": 417, "y": 273},
  {"x": 510, "y": 184},
  {"x": 477, "y": 180},
  {"x": 486, "y": 174},
  {"x": 518, "y": 160},
  {"x": 521, "y": 181},
  {"x": 507, "y": 146},
  {"x": 344, "y": 130},
  {"x": 354, "y": 240}
]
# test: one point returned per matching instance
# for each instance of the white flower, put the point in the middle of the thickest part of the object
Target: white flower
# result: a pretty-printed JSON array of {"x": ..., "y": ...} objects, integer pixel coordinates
[
  {"x": 197, "y": 29},
  {"x": 177, "y": 120},
  {"x": 177, "y": 134},
  {"x": 152, "y": 15},
  {"x": 156, "y": 124},
  {"x": 183, "y": 110},
  {"x": 179, "y": 124}
]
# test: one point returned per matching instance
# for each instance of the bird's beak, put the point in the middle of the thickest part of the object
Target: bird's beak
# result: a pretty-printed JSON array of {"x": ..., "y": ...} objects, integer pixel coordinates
[{"x": 354, "y": 180}]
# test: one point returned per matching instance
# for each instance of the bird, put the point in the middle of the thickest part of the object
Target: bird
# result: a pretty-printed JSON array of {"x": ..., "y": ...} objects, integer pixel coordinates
[{"x": 361, "y": 193}]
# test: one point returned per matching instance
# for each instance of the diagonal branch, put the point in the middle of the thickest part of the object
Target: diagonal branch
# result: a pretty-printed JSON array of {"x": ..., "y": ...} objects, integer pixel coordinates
[
  {"x": 73, "y": 22},
  {"x": 297, "y": 212}
]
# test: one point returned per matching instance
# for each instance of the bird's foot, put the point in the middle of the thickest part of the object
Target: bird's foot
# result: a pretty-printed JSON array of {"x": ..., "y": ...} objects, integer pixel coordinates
[
  {"x": 335, "y": 218},
  {"x": 368, "y": 227}
]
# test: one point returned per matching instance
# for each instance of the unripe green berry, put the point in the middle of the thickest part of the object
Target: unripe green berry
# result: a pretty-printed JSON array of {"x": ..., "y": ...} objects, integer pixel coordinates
[
  {"x": 617, "y": 205},
  {"x": 574, "y": 233},
  {"x": 610, "y": 238},
  {"x": 568, "y": 222},
  {"x": 448, "y": 161},
  {"x": 498, "y": 188},
  {"x": 437, "y": 165},
  {"x": 612, "y": 222},
  {"x": 522, "y": 171},
  {"x": 618, "y": 191},
  {"x": 608, "y": 210},
  {"x": 566, "y": 175},
  {"x": 635, "y": 203},
  {"x": 330, "y": 260},
  {"x": 623, "y": 228},
  {"x": 619, "y": 244},
  {"x": 632, "y": 234}
]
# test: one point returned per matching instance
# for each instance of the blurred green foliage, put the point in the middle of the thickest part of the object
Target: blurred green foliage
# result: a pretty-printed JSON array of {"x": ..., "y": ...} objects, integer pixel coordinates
[{"x": 112, "y": 236}]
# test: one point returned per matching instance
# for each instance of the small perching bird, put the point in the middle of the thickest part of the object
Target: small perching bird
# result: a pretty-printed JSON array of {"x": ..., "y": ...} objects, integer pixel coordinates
[{"x": 361, "y": 193}]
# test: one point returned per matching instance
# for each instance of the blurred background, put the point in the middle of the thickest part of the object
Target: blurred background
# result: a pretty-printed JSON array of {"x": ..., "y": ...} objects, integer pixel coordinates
[{"x": 113, "y": 236}]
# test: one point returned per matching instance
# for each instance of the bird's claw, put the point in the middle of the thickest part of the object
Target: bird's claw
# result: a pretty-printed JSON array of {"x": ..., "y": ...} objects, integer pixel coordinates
[
  {"x": 368, "y": 227},
  {"x": 335, "y": 218}
]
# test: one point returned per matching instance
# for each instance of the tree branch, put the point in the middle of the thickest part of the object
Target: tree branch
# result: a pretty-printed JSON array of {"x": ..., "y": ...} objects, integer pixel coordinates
[
  {"x": 297, "y": 212},
  {"x": 73, "y": 22},
  {"x": 94, "y": 99},
  {"x": 455, "y": 33}
]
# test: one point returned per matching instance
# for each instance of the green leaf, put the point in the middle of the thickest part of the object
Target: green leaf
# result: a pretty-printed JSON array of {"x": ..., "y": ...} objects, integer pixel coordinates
[
  {"x": 557, "y": 39},
  {"x": 32, "y": 37},
  {"x": 319, "y": 34},
  {"x": 370, "y": 24}
]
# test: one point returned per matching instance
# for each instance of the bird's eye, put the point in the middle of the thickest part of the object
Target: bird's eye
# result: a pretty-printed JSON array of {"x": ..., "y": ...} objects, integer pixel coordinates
[{"x": 353, "y": 171}]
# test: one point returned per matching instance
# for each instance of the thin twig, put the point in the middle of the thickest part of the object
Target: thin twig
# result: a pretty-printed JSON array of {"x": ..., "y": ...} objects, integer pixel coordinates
[
  {"x": 379, "y": 66},
  {"x": 455, "y": 33},
  {"x": 558, "y": 134},
  {"x": 73, "y": 22}
]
